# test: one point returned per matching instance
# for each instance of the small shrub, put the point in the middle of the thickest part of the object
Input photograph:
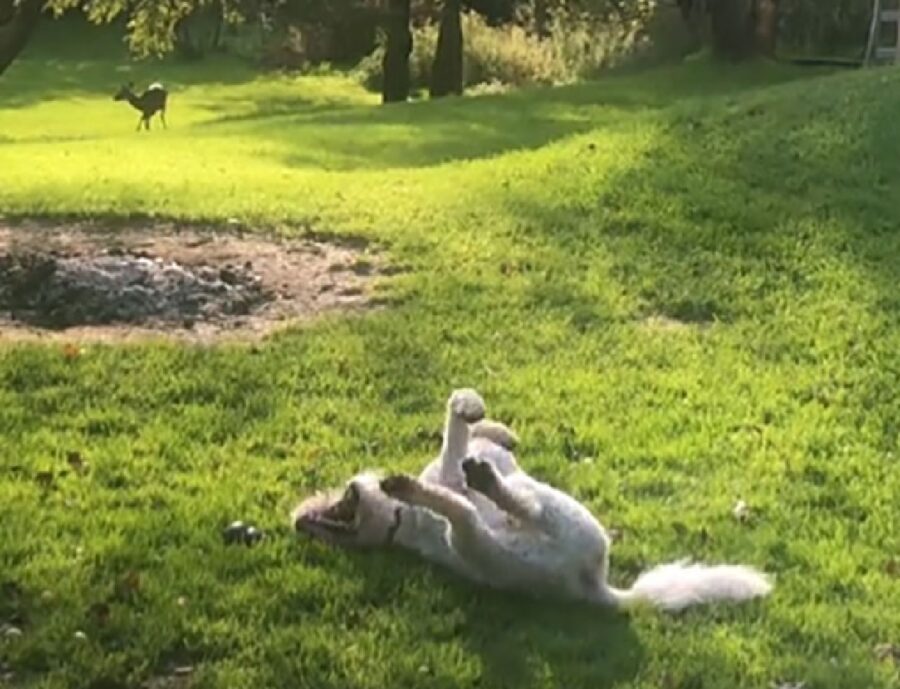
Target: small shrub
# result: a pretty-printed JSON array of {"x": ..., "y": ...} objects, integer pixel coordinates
[
  {"x": 585, "y": 45},
  {"x": 508, "y": 54}
]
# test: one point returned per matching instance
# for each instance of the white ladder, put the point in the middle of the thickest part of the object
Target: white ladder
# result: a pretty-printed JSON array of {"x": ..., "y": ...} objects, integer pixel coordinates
[{"x": 874, "y": 50}]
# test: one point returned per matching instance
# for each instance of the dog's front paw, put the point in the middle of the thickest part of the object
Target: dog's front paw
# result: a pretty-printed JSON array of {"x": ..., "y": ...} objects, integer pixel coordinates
[
  {"x": 467, "y": 404},
  {"x": 400, "y": 487},
  {"x": 480, "y": 475}
]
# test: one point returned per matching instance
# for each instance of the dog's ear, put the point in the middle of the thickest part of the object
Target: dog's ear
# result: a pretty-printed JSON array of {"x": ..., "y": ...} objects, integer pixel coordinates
[{"x": 496, "y": 432}]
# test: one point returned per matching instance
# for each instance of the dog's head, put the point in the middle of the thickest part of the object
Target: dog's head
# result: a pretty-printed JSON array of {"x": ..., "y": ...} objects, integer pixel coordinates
[{"x": 360, "y": 515}]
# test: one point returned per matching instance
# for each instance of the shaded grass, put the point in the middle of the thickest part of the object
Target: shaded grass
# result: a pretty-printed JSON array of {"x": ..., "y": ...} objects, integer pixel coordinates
[{"x": 547, "y": 232}]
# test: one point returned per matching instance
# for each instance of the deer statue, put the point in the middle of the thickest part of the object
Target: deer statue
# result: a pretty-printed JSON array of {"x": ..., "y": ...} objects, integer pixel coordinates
[{"x": 150, "y": 102}]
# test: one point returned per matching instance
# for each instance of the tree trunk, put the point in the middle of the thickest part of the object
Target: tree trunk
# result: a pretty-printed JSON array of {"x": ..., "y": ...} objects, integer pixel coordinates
[
  {"x": 744, "y": 28},
  {"x": 696, "y": 15},
  {"x": 17, "y": 24},
  {"x": 766, "y": 26},
  {"x": 733, "y": 29},
  {"x": 216, "y": 41},
  {"x": 447, "y": 70},
  {"x": 395, "y": 64}
]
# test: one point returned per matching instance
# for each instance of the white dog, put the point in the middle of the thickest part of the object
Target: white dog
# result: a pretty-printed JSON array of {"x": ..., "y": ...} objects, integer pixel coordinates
[{"x": 474, "y": 510}]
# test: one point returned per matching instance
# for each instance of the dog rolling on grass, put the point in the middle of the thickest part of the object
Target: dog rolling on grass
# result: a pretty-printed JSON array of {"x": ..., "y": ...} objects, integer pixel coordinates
[{"x": 474, "y": 510}]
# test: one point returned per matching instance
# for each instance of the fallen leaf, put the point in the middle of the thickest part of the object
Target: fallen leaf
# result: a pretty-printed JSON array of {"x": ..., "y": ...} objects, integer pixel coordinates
[
  {"x": 72, "y": 351},
  {"x": 892, "y": 568}
]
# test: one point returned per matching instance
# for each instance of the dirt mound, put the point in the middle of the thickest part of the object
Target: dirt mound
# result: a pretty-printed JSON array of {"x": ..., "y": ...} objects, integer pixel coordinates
[{"x": 75, "y": 281}]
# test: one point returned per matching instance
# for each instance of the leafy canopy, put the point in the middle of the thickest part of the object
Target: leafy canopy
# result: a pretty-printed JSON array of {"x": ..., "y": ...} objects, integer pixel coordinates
[{"x": 151, "y": 24}]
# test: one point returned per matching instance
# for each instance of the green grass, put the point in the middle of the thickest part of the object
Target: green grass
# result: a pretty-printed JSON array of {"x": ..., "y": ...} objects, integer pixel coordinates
[{"x": 542, "y": 229}]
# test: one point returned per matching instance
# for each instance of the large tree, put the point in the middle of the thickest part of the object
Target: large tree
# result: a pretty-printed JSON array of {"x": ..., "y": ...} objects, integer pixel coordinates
[
  {"x": 734, "y": 29},
  {"x": 447, "y": 69},
  {"x": 766, "y": 26},
  {"x": 18, "y": 20},
  {"x": 395, "y": 64}
]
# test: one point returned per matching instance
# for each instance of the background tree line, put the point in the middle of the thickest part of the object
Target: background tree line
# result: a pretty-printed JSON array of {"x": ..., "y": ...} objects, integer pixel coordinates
[{"x": 293, "y": 32}]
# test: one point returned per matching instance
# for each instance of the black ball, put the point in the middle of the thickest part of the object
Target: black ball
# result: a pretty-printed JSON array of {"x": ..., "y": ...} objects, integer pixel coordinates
[
  {"x": 252, "y": 535},
  {"x": 234, "y": 532}
]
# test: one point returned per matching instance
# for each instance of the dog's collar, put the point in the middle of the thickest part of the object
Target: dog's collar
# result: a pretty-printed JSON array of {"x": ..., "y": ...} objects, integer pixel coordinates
[{"x": 395, "y": 527}]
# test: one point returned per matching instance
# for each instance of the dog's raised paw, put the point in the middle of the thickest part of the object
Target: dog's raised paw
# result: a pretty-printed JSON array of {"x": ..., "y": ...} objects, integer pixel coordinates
[
  {"x": 480, "y": 475},
  {"x": 398, "y": 486},
  {"x": 468, "y": 405}
]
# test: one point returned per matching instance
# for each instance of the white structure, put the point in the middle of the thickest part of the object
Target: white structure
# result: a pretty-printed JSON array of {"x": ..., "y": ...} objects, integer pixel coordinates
[{"x": 875, "y": 51}]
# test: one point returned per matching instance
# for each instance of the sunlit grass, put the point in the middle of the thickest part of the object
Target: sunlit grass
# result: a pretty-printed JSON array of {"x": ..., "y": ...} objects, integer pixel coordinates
[{"x": 678, "y": 286}]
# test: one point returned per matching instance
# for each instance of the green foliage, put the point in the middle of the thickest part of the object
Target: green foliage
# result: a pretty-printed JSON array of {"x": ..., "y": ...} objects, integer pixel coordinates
[
  {"x": 679, "y": 287},
  {"x": 827, "y": 26},
  {"x": 576, "y": 46},
  {"x": 152, "y": 26}
]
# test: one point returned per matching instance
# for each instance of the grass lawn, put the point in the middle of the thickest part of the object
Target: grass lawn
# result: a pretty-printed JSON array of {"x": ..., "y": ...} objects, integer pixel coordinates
[{"x": 678, "y": 286}]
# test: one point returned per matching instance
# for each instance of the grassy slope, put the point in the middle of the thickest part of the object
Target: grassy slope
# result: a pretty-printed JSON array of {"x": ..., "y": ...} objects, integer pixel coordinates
[{"x": 541, "y": 230}]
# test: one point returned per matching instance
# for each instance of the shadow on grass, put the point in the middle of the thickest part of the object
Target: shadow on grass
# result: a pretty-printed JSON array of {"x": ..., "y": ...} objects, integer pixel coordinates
[
  {"x": 520, "y": 641},
  {"x": 428, "y": 133},
  {"x": 422, "y": 134}
]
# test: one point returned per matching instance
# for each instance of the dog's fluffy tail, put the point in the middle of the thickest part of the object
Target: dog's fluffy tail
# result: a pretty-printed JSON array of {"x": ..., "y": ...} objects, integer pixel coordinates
[{"x": 677, "y": 585}]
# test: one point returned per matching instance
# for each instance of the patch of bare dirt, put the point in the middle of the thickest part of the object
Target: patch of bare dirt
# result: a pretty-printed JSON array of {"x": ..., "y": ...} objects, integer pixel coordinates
[{"x": 78, "y": 281}]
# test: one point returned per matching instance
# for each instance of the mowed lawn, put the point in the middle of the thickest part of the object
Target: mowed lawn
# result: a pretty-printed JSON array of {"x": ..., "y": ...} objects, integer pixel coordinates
[{"x": 679, "y": 286}]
